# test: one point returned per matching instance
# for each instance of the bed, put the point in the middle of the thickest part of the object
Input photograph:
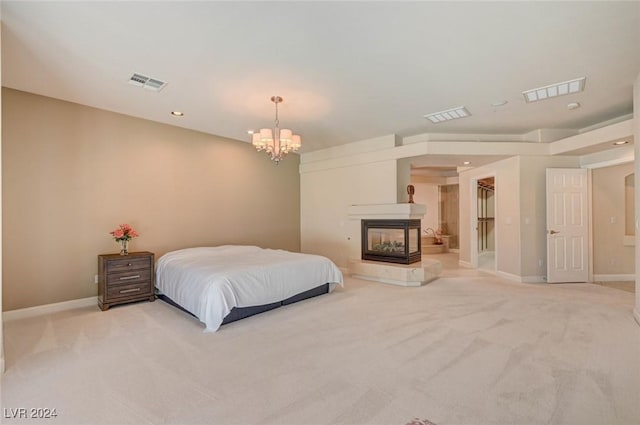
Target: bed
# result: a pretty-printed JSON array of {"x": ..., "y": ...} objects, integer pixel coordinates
[{"x": 225, "y": 283}]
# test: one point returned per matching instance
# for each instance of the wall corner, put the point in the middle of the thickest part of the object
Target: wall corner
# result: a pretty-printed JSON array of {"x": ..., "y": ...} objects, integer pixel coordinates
[{"x": 636, "y": 136}]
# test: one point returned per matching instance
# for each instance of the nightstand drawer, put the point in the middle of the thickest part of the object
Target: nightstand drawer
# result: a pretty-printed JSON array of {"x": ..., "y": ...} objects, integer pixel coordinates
[
  {"x": 129, "y": 276},
  {"x": 121, "y": 291},
  {"x": 127, "y": 264}
]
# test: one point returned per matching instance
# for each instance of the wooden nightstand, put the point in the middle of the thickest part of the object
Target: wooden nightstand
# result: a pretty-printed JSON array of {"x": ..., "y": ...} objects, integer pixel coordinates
[{"x": 125, "y": 278}]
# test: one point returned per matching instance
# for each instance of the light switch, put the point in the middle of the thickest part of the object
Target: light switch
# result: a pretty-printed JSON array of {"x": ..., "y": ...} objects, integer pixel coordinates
[{"x": 613, "y": 220}]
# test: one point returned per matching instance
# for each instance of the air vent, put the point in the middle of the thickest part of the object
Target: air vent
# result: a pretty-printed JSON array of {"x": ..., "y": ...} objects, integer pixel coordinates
[
  {"x": 448, "y": 115},
  {"x": 147, "y": 82},
  {"x": 554, "y": 90}
]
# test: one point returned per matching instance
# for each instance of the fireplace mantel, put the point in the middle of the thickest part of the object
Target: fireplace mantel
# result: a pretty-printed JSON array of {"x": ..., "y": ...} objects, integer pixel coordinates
[{"x": 387, "y": 211}]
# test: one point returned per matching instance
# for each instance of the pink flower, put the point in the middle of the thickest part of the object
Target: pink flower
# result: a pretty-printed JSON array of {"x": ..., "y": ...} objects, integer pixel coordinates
[{"x": 124, "y": 233}]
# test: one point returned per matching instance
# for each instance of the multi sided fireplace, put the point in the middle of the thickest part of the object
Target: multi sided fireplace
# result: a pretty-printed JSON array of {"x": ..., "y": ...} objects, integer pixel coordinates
[{"x": 394, "y": 241}]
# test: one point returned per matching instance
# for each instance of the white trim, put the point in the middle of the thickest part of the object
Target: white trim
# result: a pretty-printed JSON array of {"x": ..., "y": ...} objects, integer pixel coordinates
[
  {"x": 590, "y": 249},
  {"x": 592, "y": 137},
  {"x": 38, "y": 310},
  {"x": 614, "y": 277},
  {"x": 465, "y": 264},
  {"x": 387, "y": 211},
  {"x": 610, "y": 163},
  {"x": 391, "y": 281},
  {"x": 509, "y": 276},
  {"x": 629, "y": 240},
  {"x": 636, "y": 315},
  {"x": 534, "y": 279},
  {"x": 2, "y": 363}
]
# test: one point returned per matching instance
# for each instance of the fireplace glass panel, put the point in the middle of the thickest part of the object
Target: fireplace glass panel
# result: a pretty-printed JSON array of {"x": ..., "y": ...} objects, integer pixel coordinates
[
  {"x": 396, "y": 241},
  {"x": 414, "y": 236},
  {"x": 386, "y": 241}
]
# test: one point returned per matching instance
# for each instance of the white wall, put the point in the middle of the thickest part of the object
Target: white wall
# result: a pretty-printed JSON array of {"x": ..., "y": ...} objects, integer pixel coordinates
[
  {"x": 520, "y": 201},
  {"x": 374, "y": 171},
  {"x": 1, "y": 325},
  {"x": 534, "y": 212},
  {"x": 507, "y": 221},
  {"x": 325, "y": 196}
]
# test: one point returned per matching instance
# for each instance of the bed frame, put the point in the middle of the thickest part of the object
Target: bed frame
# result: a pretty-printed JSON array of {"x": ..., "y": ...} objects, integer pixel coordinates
[{"x": 238, "y": 313}]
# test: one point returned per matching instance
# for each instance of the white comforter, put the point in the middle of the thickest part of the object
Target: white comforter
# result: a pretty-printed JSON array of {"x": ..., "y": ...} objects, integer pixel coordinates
[{"x": 210, "y": 281}]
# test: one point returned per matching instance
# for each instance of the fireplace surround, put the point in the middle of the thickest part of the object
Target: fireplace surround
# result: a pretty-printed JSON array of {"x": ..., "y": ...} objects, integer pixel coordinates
[{"x": 393, "y": 241}]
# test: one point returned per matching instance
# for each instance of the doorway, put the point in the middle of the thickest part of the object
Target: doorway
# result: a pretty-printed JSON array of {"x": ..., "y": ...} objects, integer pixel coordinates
[{"x": 484, "y": 242}]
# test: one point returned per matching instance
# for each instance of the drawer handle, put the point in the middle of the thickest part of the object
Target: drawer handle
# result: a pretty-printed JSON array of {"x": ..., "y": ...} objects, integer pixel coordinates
[
  {"x": 130, "y": 277},
  {"x": 126, "y": 291}
]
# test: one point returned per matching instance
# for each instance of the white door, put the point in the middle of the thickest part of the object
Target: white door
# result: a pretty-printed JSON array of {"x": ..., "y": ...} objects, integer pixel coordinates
[{"x": 567, "y": 225}]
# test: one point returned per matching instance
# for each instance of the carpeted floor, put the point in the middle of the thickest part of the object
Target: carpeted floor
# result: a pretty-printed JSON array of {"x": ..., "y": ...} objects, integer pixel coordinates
[{"x": 465, "y": 349}]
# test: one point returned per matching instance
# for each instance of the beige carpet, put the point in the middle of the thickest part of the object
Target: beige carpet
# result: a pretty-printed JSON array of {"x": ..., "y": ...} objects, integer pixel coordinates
[{"x": 461, "y": 350}]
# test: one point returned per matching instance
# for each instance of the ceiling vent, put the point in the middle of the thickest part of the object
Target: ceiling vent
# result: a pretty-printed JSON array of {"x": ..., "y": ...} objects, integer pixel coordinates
[
  {"x": 448, "y": 115},
  {"x": 554, "y": 90},
  {"x": 147, "y": 82}
]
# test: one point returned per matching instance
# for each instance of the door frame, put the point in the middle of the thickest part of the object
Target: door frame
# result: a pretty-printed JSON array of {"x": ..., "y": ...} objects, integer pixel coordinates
[
  {"x": 473, "y": 227},
  {"x": 590, "y": 167}
]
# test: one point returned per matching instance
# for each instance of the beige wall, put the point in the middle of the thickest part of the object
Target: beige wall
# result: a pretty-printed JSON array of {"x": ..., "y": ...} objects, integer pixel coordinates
[
  {"x": 427, "y": 194},
  {"x": 72, "y": 173},
  {"x": 610, "y": 255},
  {"x": 636, "y": 135}
]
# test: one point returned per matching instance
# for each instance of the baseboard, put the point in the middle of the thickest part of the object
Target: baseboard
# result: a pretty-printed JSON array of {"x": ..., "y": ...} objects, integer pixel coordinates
[
  {"x": 344, "y": 270},
  {"x": 534, "y": 279},
  {"x": 613, "y": 277},
  {"x": 636, "y": 314},
  {"x": 465, "y": 264},
  {"x": 48, "y": 308},
  {"x": 509, "y": 276}
]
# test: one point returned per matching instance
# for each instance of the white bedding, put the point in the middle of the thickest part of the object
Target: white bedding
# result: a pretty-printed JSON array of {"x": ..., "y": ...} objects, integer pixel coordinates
[{"x": 210, "y": 281}]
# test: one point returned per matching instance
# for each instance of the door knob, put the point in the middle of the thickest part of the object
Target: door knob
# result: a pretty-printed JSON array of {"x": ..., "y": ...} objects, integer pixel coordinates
[{"x": 553, "y": 232}]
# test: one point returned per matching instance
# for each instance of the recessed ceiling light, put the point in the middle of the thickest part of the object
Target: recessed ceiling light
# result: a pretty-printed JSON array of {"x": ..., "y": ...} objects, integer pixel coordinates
[
  {"x": 573, "y": 105},
  {"x": 554, "y": 90},
  {"x": 177, "y": 113},
  {"x": 621, "y": 142},
  {"x": 250, "y": 131},
  {"x": 499, "y": 103},
  {"x": 448, "y": 115},
  {"x": 466, "y": 163}
]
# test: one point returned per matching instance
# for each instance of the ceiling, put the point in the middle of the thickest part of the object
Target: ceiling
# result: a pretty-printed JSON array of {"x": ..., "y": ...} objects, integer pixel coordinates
[{"x": 347, "y": 71}]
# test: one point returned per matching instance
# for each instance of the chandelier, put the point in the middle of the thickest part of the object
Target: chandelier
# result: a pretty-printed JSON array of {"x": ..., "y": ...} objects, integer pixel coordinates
[{"x": 276, "y": 142}]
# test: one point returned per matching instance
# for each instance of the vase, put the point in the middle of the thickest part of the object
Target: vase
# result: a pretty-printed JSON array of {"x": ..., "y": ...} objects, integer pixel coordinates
[{"x": 124, "y": 247}]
